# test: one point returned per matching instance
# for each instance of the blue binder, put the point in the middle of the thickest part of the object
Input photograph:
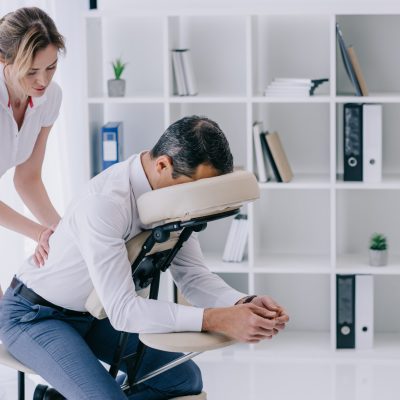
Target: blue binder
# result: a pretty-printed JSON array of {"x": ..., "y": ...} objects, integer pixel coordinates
[{"x": 111, "y": 144}]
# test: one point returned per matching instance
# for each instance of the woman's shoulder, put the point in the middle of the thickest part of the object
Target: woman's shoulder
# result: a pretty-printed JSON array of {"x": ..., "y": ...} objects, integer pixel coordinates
[{"x": 54, "y": 90}]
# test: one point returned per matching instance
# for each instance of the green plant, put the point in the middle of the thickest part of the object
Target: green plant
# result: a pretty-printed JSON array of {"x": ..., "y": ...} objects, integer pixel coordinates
[
  {"x": 378, "y": 242},
  {"x": 118, "y": 67}
]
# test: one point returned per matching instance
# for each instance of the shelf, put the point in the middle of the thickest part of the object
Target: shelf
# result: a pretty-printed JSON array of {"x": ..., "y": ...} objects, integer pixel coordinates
[
  {"x": 389, "y": 182},
  {"x": 214, "y": 262},
  {"x": 372, "y": 98},
  {"x": 292, "y": 264},
  {"x": 358, "y": 264},
  {"x": 125, "y": 100},
  {"x": 300, "y": 181},
  {"x": 296, "y": 99},
  {"x": 207, "y": 99},
  {"x": 294, "y": 344}
]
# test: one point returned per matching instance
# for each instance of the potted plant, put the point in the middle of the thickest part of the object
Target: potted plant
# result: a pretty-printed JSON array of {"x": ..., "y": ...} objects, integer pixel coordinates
[
  {"x": 116, "y": 87},
  {"x": 378, "y": 250}
]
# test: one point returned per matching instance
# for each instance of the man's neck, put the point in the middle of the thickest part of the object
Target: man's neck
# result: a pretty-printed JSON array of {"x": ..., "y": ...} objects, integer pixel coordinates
[{"x": 147, "y": 161}]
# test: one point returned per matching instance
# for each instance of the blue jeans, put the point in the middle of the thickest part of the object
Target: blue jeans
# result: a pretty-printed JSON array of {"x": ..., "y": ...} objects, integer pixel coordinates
[{"x": 65, "y": 351}]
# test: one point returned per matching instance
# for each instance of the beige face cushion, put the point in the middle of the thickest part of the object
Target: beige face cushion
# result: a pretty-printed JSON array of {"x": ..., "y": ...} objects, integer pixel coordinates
[
  {"x": 199, "y": 198},
  {"x": 183, "y": 202}
]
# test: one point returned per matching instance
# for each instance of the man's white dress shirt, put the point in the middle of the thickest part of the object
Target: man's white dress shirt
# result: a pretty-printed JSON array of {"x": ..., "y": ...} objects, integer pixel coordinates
[
  {"x": 88, "y": 250},
  {"x": 16, "y": 145}
]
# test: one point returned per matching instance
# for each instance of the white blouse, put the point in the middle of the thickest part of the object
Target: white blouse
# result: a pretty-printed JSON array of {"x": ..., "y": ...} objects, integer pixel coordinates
[{"x": 16, "y": 146}]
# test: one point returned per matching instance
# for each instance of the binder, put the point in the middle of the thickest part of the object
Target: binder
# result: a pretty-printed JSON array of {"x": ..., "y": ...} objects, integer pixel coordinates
[
  {"x": 111, "y": 144},
  {"x": 372, "y": 143},
  {"x": 345, "y": 311},
  {"x": 364, "y": 311},
  {"x": 352, "y": 142}
]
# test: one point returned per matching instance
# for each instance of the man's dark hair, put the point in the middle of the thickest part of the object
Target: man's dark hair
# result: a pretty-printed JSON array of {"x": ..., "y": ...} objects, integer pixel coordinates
[{"x": 192, "y": 141}]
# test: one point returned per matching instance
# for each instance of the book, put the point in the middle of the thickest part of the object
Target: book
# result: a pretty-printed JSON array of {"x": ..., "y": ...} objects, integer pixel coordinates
[
  {"x": 269, "y": 157},
  {"x": 357, "y": 70},
  {"x": 179, "y": 79},
  {"x": 236, "y": 240},
  {"x": 111, "y": 144},
  {"x": 347, "y": 62},
  {"x": 293, "y": 87},
  {"x": 259, "y": 155},
  {"x": 188, "y": 72},
  {"x": 279, "y": 156}
]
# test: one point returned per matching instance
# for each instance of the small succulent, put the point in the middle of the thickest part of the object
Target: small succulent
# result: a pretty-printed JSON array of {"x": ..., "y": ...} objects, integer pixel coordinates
[
  {"x": 118, "y": 67},
  {"x": 378, "y": 242}
]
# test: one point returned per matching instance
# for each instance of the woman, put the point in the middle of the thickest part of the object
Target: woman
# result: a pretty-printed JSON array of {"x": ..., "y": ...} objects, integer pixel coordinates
[{"x": 29, "y": 105}]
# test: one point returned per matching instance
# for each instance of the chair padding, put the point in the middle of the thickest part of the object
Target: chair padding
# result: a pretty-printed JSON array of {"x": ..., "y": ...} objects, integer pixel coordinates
[
  {"x": 199, "y": 198},
  {"x": 184, "y": 342},
  {"x": 9, "y": 361}
]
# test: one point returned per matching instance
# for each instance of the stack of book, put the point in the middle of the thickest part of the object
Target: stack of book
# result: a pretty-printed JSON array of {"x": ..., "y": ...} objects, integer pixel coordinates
[
  {"x": 352, "y": 65},
  {"x": 184, "y": 78},
  {"x": 270, "y": 156},
  {"x": 293, "y": 87},
  {"x": 237, "y": 238}
]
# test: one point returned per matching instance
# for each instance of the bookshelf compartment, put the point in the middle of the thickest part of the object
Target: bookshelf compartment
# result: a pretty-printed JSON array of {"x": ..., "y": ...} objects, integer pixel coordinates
[
  {"x": 217, "y": 45},
  {"x": 306, "y": 299},
  {"x": 143, "y": 125},
  {"x": 304, "y": 132},
  {"x": 390, "y": 144},
  {"x": 372, "y": 38},
  {"x": 231, "y": 118},
  {"x": 289, "y": 46},
  {"x": 359, "y": 215},
  {"x": 144, "y": 70},
  {"x": 238, "y": 281},
  {"x": 386, "y": 305},
  {"x": 292, "y": 229}
]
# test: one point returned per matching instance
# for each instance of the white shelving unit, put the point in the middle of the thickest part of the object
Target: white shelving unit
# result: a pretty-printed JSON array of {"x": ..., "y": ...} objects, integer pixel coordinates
[{"x": 302, "y": 233}]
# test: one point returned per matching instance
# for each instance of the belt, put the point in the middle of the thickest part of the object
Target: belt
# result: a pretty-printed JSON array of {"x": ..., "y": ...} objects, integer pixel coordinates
[{"x": 31, "y": 296}]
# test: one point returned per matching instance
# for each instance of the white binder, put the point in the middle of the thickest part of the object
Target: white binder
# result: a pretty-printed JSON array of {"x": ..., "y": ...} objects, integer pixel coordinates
[
  {"x": 372, "y": 143},
  {"x": 364, "y": 313}
]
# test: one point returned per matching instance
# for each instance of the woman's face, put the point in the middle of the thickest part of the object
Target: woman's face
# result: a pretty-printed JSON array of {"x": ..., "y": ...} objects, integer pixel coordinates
[{"x": 41, "y": 72}]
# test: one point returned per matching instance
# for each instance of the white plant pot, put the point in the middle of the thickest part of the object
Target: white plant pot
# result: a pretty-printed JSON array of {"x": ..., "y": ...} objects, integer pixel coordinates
[
  {"x": 116, "y": 87},
  {"x": 378, "y": 258}
]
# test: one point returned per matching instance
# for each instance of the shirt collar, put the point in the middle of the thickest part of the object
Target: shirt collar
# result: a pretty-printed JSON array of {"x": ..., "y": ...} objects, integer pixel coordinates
[
  {"x": 138, "y": 178},
  {"x": 34, "y": 102}
]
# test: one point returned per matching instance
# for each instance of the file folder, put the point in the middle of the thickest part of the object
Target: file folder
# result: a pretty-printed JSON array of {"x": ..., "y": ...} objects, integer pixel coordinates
[
  {"x": 372, "y": 143},
  {"x": 364, "y": 311},
  {"x": 111, "y": 144},
  {"x": 345, "y": 311}
]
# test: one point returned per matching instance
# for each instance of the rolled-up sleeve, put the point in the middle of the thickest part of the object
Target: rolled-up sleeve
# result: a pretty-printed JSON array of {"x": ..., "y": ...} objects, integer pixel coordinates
[{"x": 198, "y": 285}]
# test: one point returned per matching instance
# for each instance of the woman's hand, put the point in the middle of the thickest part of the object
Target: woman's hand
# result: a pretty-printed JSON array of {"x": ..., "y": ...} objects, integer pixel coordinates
[{"x": 42, "y": 249}]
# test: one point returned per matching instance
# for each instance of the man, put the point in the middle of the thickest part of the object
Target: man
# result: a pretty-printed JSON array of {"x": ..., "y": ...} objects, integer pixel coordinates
[{"x": 55, "y": 337}]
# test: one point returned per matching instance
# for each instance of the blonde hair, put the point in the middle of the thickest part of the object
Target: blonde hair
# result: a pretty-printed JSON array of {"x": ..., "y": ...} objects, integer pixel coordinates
[{"x": 23, "y": 33}]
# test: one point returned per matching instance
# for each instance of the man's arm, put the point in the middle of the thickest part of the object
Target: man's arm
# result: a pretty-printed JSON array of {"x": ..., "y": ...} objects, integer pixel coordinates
[{"x": 98, "y": 226}]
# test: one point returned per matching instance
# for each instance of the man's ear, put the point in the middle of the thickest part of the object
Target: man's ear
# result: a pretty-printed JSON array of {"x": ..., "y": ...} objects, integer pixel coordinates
[{"x": 163, "y": 162}]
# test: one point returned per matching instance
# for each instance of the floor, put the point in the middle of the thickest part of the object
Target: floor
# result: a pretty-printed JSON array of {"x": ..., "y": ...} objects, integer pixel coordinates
[{"x": 245, "y": 375}]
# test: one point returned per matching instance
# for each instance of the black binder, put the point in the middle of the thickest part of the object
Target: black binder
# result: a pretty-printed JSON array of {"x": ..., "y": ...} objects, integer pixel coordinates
[
  {"x": 352, "y": 142},
  {"x": 345, "y": 311}
]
